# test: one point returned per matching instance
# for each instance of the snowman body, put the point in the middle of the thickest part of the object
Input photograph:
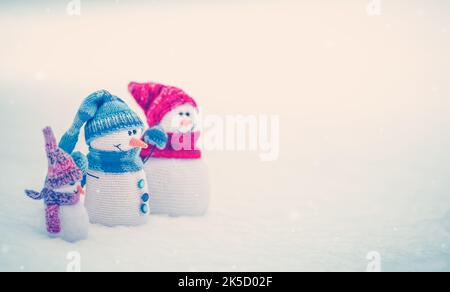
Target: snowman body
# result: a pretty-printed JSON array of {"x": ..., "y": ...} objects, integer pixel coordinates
[
  {"x": 178, "y": 180},
  {"x": 115, "y": 199},
  {"x": 74, "y": 222},
  {"x": 179, "y": 187}
]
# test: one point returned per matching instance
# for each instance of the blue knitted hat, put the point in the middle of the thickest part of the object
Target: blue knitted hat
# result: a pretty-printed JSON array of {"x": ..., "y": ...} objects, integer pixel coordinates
[{"x": 103, "y": 114}]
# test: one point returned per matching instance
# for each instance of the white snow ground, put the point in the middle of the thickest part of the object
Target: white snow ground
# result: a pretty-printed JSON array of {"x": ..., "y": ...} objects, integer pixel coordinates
[{"x": 364, "y": 111}]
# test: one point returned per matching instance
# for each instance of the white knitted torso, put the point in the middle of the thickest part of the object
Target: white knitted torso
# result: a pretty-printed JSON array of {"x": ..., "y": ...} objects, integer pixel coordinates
[
  {"x": 115, "y": 199},
  {"x": 178, "y": 187},
  {"x": 74, "y": 222}
]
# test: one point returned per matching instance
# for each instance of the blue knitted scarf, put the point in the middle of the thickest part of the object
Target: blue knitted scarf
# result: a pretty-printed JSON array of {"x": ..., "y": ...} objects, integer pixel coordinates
[{"x": 115, "y": 162}]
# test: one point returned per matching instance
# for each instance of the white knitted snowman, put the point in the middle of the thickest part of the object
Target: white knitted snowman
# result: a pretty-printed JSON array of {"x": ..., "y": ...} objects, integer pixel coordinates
[
  {"x": 65, "y": 214},
  {"x": 176, "y": 174},
  {"x": 116, "y": 188}
]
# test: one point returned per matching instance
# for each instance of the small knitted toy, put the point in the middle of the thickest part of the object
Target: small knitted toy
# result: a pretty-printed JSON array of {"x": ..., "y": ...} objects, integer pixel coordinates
[
  {"x": 116, "y": 188},
  {"x": 177, "y": 176},
  {"x": 65, "y": 215}
]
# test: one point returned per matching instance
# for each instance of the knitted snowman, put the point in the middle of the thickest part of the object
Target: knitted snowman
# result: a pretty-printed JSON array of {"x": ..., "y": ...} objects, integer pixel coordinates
[
  {"x": 177, "y": 176},
  {"x": 65, "y": 215},
  {"x": 116, "y": 189}
]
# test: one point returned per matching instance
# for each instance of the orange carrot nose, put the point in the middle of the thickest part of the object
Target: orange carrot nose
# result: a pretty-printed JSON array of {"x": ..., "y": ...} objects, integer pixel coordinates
[
  {"x": 80, "y": 190},
  {"x": 138, "y": 143}
]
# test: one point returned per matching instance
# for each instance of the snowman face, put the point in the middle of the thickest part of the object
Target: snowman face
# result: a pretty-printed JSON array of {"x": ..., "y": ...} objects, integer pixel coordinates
[
  {"x": 69, "y": 189},
  {"x": 182, "y": 119},
  {"x": 120, "y": 141}
]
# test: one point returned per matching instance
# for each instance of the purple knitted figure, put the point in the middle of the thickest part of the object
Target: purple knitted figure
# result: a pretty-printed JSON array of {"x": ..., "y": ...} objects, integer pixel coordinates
[
  {"x": 52, "y": 219},
  {"x": 53, "y": 200},
  {"x": 62, "y": 188}
]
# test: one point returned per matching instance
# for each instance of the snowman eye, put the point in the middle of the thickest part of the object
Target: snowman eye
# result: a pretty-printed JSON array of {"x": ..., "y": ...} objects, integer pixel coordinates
[
  {"x": 134, "y": 132},
  {"x": 130, "y": 133},
  {"x": 181, "y": 114},
  {"x": 72, "y": 184},
  {"x": 188, "y": 114}
]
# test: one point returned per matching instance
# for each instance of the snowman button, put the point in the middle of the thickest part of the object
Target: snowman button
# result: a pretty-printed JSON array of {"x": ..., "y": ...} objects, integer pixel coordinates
[
  {"x": 145, "y": 197},
  {"x": 141, "y": 183},
  {"x": 144, "y": 208}
]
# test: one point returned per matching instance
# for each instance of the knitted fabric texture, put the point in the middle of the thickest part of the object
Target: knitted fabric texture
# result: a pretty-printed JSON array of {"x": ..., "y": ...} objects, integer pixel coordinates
[
  {"x": 115, "y": 199},
  {"x": 52, "y": 197},
  {"x": 115, "y": 162},
  {"x": 62, "y": 170},
  {"x": 178, "y": 187},
  {"x": 53, "y": 200},
  {"x": 81, "y": 161},
  {"x": 179, "y": 146},
  {"x": 102, "y": 113},
  {"x": 156, "y": 136},
  {"x": 52, "y": 219},
  {"x": 157, "y": 100}
]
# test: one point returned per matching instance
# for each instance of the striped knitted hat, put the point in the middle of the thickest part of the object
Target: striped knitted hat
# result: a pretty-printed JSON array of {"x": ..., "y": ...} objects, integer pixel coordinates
[
  {"x": 103, "y": 114},
  {"x": 62, "y": 169},
  {"x": 157, "y": 100}
]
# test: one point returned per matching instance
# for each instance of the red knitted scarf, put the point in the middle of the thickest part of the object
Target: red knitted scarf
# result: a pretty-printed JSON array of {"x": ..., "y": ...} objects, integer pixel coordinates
[{"x": 179, "y": 146}]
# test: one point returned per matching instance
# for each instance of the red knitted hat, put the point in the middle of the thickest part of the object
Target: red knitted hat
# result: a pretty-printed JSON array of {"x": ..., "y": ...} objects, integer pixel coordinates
[{"x": 157, "y": 100}]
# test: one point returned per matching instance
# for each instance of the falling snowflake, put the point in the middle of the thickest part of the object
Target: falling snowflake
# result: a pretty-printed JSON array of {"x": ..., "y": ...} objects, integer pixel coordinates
[
  {"x": 40, "y": 76},
  {"x": 4, "y": 249},
  {"x": 329, "y": 44},
  {"x": 420, "y": 12},
  {"x": 316, "y": 164},
  {"x": 435, "y": 182},
  {"x": 294, "y": 215}
]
